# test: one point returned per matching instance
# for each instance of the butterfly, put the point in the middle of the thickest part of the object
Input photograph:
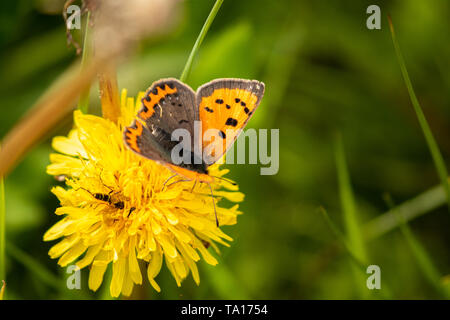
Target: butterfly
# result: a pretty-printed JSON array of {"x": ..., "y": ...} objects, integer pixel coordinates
[{"x": 225, "y": 105}]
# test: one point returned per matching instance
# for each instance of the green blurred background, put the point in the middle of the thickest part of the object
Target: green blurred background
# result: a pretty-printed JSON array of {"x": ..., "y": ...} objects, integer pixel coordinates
[{"x": 325, "y": 72}]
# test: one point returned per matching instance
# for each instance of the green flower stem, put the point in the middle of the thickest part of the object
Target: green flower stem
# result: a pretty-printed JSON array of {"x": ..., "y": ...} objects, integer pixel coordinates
[
  {"x": 198, "y": 42},
  {"x": 432, "y": 144},
  {"x": 83, "y": 102},
  {"x": 2, "y": 230}
]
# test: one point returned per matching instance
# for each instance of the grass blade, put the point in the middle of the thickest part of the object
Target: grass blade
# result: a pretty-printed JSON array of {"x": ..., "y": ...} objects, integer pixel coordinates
[
  {"x": 198, "y": 42},
  {"x": 423, "y": 260},
  {"x": 342, "y": 239},
  {"x": 431, "y": 142},
  {"x": 420, "y": 254},
  {"x": 360, "y": 265},
  {"x": 354, "y": 235},
  {"x": 41, "y": 272},
  {"x": 35, "y": 267},
  {"x": 423, "y": 203}
]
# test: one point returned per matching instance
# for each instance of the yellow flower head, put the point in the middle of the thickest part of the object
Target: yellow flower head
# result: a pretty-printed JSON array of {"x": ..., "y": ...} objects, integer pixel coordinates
[{"x": 118, "y": 210}]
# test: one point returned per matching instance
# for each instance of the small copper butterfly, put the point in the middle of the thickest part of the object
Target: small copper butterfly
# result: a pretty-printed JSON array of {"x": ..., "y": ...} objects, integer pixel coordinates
[
  {"x": 225, "y": 105},
  {"x": 169, "y": 104}
]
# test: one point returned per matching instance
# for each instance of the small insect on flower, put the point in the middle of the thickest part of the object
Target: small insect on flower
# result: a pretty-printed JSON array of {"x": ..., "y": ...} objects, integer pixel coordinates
[
  {"x": 110, "y": 198},
  {"x": 115, "y": 209}
]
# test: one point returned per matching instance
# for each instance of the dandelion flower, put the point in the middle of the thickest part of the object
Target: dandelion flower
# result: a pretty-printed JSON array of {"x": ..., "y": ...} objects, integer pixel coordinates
[{"x": 116, "y": 209}]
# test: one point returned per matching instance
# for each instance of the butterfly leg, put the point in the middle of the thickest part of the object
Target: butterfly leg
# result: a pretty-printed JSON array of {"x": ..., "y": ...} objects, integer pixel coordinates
[
  {"x": 214, "y": 205},
  {"x": 167, "y": 180},
  {"x": 195, "y": 182}
]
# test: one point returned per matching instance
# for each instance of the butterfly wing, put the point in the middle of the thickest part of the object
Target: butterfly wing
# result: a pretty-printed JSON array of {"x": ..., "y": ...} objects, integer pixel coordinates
[
  {"x": 167, "y": 105},
  {"x": 226, "y": 105}
]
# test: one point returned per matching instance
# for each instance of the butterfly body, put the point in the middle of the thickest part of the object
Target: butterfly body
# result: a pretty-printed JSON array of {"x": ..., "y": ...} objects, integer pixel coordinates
[{"x": 222, "y": 106}]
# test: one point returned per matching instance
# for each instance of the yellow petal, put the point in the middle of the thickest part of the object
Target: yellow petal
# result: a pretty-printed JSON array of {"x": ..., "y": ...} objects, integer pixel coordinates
[
  {"x": 179, "y": 234},
  {"x": 62, "y": 246},
  {"x": 167, "y": 245},
  {"x": 70, "y": 145},
  {"x": 180, "y": 268},
  {"x": 58, "y": 230},
  {"x": 205, "y": 253},
  {"x": 72, "y": 254},
  {"x": 89, "y": 256},
  {"x": 117, "y": 277},
  {"x": 231, "y": 196},
  {"x": 155, "y": 265},
  {"x": 154, "y": 285},
  {"x": 64, "y": 165},
  {"x": 173, "y": 272},
  {"x": 134, "y": 270},
  {"x": 191, "y": 264},
  {"x": 127, "y": 286},
  {"x": 190, "y": 251},
  {"x": 96, "y": 276}
]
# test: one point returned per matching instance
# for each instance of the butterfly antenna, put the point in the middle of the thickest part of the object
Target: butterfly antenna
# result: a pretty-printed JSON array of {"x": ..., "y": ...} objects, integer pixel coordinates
[
  {"x": 227, "y": 180},
  {"x": 214, "y": 205},
  {"x": 177, "y": 182}
]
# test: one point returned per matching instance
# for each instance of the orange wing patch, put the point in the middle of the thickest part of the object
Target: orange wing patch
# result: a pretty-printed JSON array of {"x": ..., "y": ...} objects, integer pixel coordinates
[
  {"x": 153, "y": 98},
  {"x": 227, "y": 111},
  {"x": 132, "y": 133}
]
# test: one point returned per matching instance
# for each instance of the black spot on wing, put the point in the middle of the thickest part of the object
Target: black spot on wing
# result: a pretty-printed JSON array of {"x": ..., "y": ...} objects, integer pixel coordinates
[
  {"x": 228, "y": 106},
  {"x": 209, "y": 110},
  {"x": 246, "y": 110},
  {"x": 237, "y": 100},
  {"x": 243, "y": 103},
  {"x": 222, "y": 134},
  {"x": 219, "y": 101},
  {"x": 231, "y": 122}
]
